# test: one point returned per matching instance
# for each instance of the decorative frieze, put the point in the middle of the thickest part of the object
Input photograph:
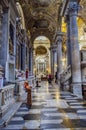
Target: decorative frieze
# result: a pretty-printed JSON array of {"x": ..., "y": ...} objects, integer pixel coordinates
[{"x": 6, "y": 98}]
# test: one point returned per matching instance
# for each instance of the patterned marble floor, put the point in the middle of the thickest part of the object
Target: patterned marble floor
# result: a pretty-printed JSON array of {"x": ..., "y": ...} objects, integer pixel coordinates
[{"x": 51, "y": 110}]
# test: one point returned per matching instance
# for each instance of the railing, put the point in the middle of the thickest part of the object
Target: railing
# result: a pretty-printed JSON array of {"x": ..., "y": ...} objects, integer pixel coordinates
[
  {"x": 32, "y": 81},
  {"x": 6, "y": 96},
  {"x": 19, "y": 89},
  {"x": 65, "y": 76}
]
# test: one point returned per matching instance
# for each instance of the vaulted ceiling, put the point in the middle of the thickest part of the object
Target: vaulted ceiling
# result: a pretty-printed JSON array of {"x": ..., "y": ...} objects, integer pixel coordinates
[
  {"x": 83, "y": 10},
  {"x": 42, "y": 16}
]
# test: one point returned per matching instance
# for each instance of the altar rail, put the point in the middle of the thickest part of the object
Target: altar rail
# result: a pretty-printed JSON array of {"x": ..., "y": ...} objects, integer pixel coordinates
[
  {"x": 6, "y": 97},
  {"x": 65, "y": 76}
]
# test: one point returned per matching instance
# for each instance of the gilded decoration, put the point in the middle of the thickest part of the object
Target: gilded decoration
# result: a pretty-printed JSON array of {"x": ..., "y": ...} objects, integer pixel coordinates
[
  {"x": 41, "y": 16},
  {"x": 41, "y": 50}
]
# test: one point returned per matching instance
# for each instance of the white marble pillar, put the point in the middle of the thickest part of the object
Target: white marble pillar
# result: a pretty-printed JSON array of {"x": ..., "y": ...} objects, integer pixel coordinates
[
  {"x": 59, "y": 39},
  {"x": 5, "y": 40},
  {"x": 54, "y": 58},
  {"x": 51, "y": 57},
  {"x": 67, "y": 20},
  {"x": 75, "y": 54}
]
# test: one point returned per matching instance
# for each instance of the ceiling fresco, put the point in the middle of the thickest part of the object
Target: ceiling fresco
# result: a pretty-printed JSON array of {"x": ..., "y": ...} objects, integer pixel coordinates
[
  {"x": 83, "y": 10},
  {"x": 42, "y": 16},
  {"x": 41, "y": 50}
]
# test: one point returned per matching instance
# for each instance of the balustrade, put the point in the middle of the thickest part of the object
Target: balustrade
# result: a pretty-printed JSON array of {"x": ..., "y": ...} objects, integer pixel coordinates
[
  {"x": 32, "y": 81},
  {"x": 19, "y": 89},
  {"x": 6, "y": 97},
  {"x": 65, "y": 76}
]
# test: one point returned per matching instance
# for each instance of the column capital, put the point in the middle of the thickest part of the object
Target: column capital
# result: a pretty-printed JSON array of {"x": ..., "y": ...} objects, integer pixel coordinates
[
  {"x": 31, "y": 49},
  {"x": 53, "y": 48},
  {"x": 59, "y": 37},
  {"x": 73, "y": 8}
]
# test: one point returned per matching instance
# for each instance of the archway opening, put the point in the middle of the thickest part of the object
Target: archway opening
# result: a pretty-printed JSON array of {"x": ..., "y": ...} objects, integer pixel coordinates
[{"x": 41, "y": 56}]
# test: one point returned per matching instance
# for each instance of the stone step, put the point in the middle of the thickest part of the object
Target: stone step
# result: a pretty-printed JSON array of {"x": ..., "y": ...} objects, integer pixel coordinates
[{"x": 7, "y": 117}]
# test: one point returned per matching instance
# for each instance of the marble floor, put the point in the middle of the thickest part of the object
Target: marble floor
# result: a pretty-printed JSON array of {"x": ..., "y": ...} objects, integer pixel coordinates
[{"x": 51, "y": 109}]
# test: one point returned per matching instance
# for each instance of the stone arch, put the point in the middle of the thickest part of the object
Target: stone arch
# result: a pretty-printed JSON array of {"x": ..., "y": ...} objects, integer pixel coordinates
[
  {"x": 39, "y": 33},
  {"x": 44, "y": 45},
  {"x": 20, "y": 11}
]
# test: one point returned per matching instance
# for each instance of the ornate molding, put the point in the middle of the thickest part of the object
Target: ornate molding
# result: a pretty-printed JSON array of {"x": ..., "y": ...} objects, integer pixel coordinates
[
  {"x": 73, "y": 8},
  {"x": 59, "y": 37},
  {"x": 53, "y": 48}
]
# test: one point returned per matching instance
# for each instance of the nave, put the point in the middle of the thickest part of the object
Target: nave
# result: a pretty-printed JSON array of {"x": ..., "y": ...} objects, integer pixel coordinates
[{"x": 51, "y": 109}]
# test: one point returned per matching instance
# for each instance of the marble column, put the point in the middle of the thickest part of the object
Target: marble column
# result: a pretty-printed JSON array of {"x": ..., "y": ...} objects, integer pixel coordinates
[
  {"x": 0, "y": 30},
  {"x": 52, "y": 64},
  {"x": 59, "y": 39},
  {"x": 67, "y": 20},
  {"x": 75, "y": 54},
  {"x": 31, "y": 61},
  {"x": 27, "y": 57},
  {"x": 68, "y": 45},
  {"x": 5, "y": 42},
  {"x": 5, "y": 37},
  {"x": 54, "y": 49},
  {"x": 23, "y": 56}
]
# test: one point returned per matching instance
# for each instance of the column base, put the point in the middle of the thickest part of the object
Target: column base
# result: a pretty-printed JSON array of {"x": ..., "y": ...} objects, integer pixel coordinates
[
  {"x": 66, "y": 86},
  {"x": 76, "y": 88}
]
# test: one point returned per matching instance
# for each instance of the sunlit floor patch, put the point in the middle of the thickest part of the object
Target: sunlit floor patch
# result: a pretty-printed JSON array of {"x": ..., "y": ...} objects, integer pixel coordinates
[
  {"x": 15, "y": 127},
  {"x": 82, "y": 117},
  {"x": 71, "y": 116},
  {"x": 53, "y": 114},
  {"x": 22, "y": 112},
  {"x": 55, "y": 103},
  {"x": 34, "y": 124},
  {"x": 48, "y": 109},
  {"x": 17, "y": 119},
  {"x": 58, "y": 129},
  {"x": 74, "y": 123},
  {"x": 51, "y": 126},
  {"x": 23, "y": 109},
  {"x": 79, "y": 106},
  {"x": 58, "y": 121},
  {"x": 81, "y": 111},
  {"x": 34, "y": 111}
]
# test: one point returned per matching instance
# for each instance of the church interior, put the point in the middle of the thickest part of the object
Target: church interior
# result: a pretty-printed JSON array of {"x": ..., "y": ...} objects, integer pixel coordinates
[{"x": 43, "y": 45}]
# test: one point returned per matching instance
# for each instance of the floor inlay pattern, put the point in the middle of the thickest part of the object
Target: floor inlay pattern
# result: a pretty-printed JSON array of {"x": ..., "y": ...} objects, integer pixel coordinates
[{"x": 51, "y": 110}]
